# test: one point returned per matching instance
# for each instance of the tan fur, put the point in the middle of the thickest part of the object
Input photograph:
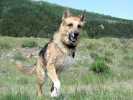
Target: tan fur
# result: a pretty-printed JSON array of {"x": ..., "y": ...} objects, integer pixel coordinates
[{"x": 57, "y": 54}]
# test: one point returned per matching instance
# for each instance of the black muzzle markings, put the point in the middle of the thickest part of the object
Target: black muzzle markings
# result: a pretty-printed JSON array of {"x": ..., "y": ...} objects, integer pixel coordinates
[{"x": 73, "y": 36}]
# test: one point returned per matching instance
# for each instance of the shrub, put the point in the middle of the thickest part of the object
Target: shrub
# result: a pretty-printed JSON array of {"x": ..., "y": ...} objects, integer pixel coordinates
[
  {"x": 99, "y": 65},
  {"x": 29, "y": 44}
]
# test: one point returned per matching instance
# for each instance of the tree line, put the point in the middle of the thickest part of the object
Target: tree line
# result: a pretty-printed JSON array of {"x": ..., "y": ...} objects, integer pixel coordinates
[{"x": 28, "y": 18}]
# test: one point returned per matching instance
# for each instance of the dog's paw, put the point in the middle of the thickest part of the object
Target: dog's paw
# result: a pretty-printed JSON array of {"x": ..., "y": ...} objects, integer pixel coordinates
[
  {"x": 55, "y": 93},
  {"x": 56, "y": 89}
]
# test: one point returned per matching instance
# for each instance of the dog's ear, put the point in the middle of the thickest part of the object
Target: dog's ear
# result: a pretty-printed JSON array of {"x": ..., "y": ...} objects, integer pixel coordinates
[
  {"x": 82, "y": 16},
  {"x": 66, "y": 14}
]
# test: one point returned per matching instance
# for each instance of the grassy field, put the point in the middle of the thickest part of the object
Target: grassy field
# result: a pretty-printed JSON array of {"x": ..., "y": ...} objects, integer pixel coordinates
[{"x": 103, "y": 70}]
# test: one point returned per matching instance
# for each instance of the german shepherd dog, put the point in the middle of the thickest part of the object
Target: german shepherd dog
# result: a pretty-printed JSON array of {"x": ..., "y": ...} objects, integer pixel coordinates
[{"x": 57, "y": 54}]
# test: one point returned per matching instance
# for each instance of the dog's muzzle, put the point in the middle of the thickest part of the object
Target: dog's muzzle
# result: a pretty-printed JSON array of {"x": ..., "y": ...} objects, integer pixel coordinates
[{"x": 73, "y": 36}]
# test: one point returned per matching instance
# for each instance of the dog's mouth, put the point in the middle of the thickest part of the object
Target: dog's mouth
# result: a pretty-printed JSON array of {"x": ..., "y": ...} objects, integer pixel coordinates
[{"x": 72, "y": 37}]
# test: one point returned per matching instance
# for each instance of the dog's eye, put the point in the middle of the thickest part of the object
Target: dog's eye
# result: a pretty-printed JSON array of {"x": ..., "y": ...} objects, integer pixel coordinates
[
  {"x": 70, "y": 25},
  {"x": 79, "y": 26}
]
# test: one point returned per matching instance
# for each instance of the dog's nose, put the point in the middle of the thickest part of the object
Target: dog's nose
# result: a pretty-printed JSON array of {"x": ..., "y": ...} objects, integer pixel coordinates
[{"x": 76, "y": 34}]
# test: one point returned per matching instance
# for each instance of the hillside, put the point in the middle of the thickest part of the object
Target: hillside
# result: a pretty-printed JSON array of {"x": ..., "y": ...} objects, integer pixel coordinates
[
  {"x": 87, "y": 79},
  {"x": 40, "y": 19}
]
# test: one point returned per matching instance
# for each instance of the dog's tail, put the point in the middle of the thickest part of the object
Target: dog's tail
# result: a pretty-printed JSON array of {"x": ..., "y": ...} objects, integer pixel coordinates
[{"x": 25, "y": 69}]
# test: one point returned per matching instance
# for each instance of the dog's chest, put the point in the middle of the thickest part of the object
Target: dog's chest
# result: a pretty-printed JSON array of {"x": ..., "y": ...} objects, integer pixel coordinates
[
  {"x": 65, "y": 61},
  {"x": 68, "y": 61}
]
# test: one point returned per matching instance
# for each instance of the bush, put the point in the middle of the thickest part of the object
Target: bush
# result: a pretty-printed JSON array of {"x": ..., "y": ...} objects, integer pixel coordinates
[
  {"x": 99, "y": 65},
  {"x": 29, "y": 44}
]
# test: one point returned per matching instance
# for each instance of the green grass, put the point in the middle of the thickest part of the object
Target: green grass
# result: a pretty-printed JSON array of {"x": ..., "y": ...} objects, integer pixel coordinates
[
  {"x": 95, "y": 94},
  {"x": 29, "y": 44},
  {"x": 99, "y": 65},
  {"x": 17, "y": 96},
  {"x": 19, "y": 56},
  {"x": 78, "y": 82}
]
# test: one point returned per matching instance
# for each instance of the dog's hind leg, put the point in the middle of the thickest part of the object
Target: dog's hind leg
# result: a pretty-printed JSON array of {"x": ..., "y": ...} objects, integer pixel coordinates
[
  {"x": 55, "y": 90},
  {"x": 40, "y": 77}
]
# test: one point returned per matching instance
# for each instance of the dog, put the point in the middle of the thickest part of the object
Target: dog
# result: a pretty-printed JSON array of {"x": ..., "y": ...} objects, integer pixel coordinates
[{"x": 57, "y": 54}]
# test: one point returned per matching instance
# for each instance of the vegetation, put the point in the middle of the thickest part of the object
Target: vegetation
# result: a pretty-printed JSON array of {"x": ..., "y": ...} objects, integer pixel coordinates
[
  {"x": 18, "y": 56},
  {"x": 103, "y": 68},
  {"x": 99, "y": 65},
  {"x": 4, "y": 45},
  {"x": 84, "y": 84},
  {"x": 29, "y": 44},
  {"x": 40, "y": 19}
]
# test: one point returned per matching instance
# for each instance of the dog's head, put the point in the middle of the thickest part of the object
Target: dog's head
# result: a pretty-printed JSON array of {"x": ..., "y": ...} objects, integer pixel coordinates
[{"x": 70, "y": 28}]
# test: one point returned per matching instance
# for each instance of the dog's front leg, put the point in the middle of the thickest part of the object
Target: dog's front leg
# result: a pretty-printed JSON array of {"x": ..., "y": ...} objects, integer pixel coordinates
[{"x": 54, "y": 77}]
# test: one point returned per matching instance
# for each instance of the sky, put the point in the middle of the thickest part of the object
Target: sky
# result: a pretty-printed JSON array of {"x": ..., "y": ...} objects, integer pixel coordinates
[{"x": 115, "y": 8}]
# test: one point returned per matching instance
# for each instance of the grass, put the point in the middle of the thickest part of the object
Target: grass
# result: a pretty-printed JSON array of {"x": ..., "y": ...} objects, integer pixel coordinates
[
  {"x": 17, "y": 96},
  {"x": 99, "y": 65},
  {"x": 79, "y": 82},
  {"x": 95, "y": 94},
  {"x": 29, "y": 44},
  {"x": 19, "y": 56},
  {"x": 5, "y": 44}
]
